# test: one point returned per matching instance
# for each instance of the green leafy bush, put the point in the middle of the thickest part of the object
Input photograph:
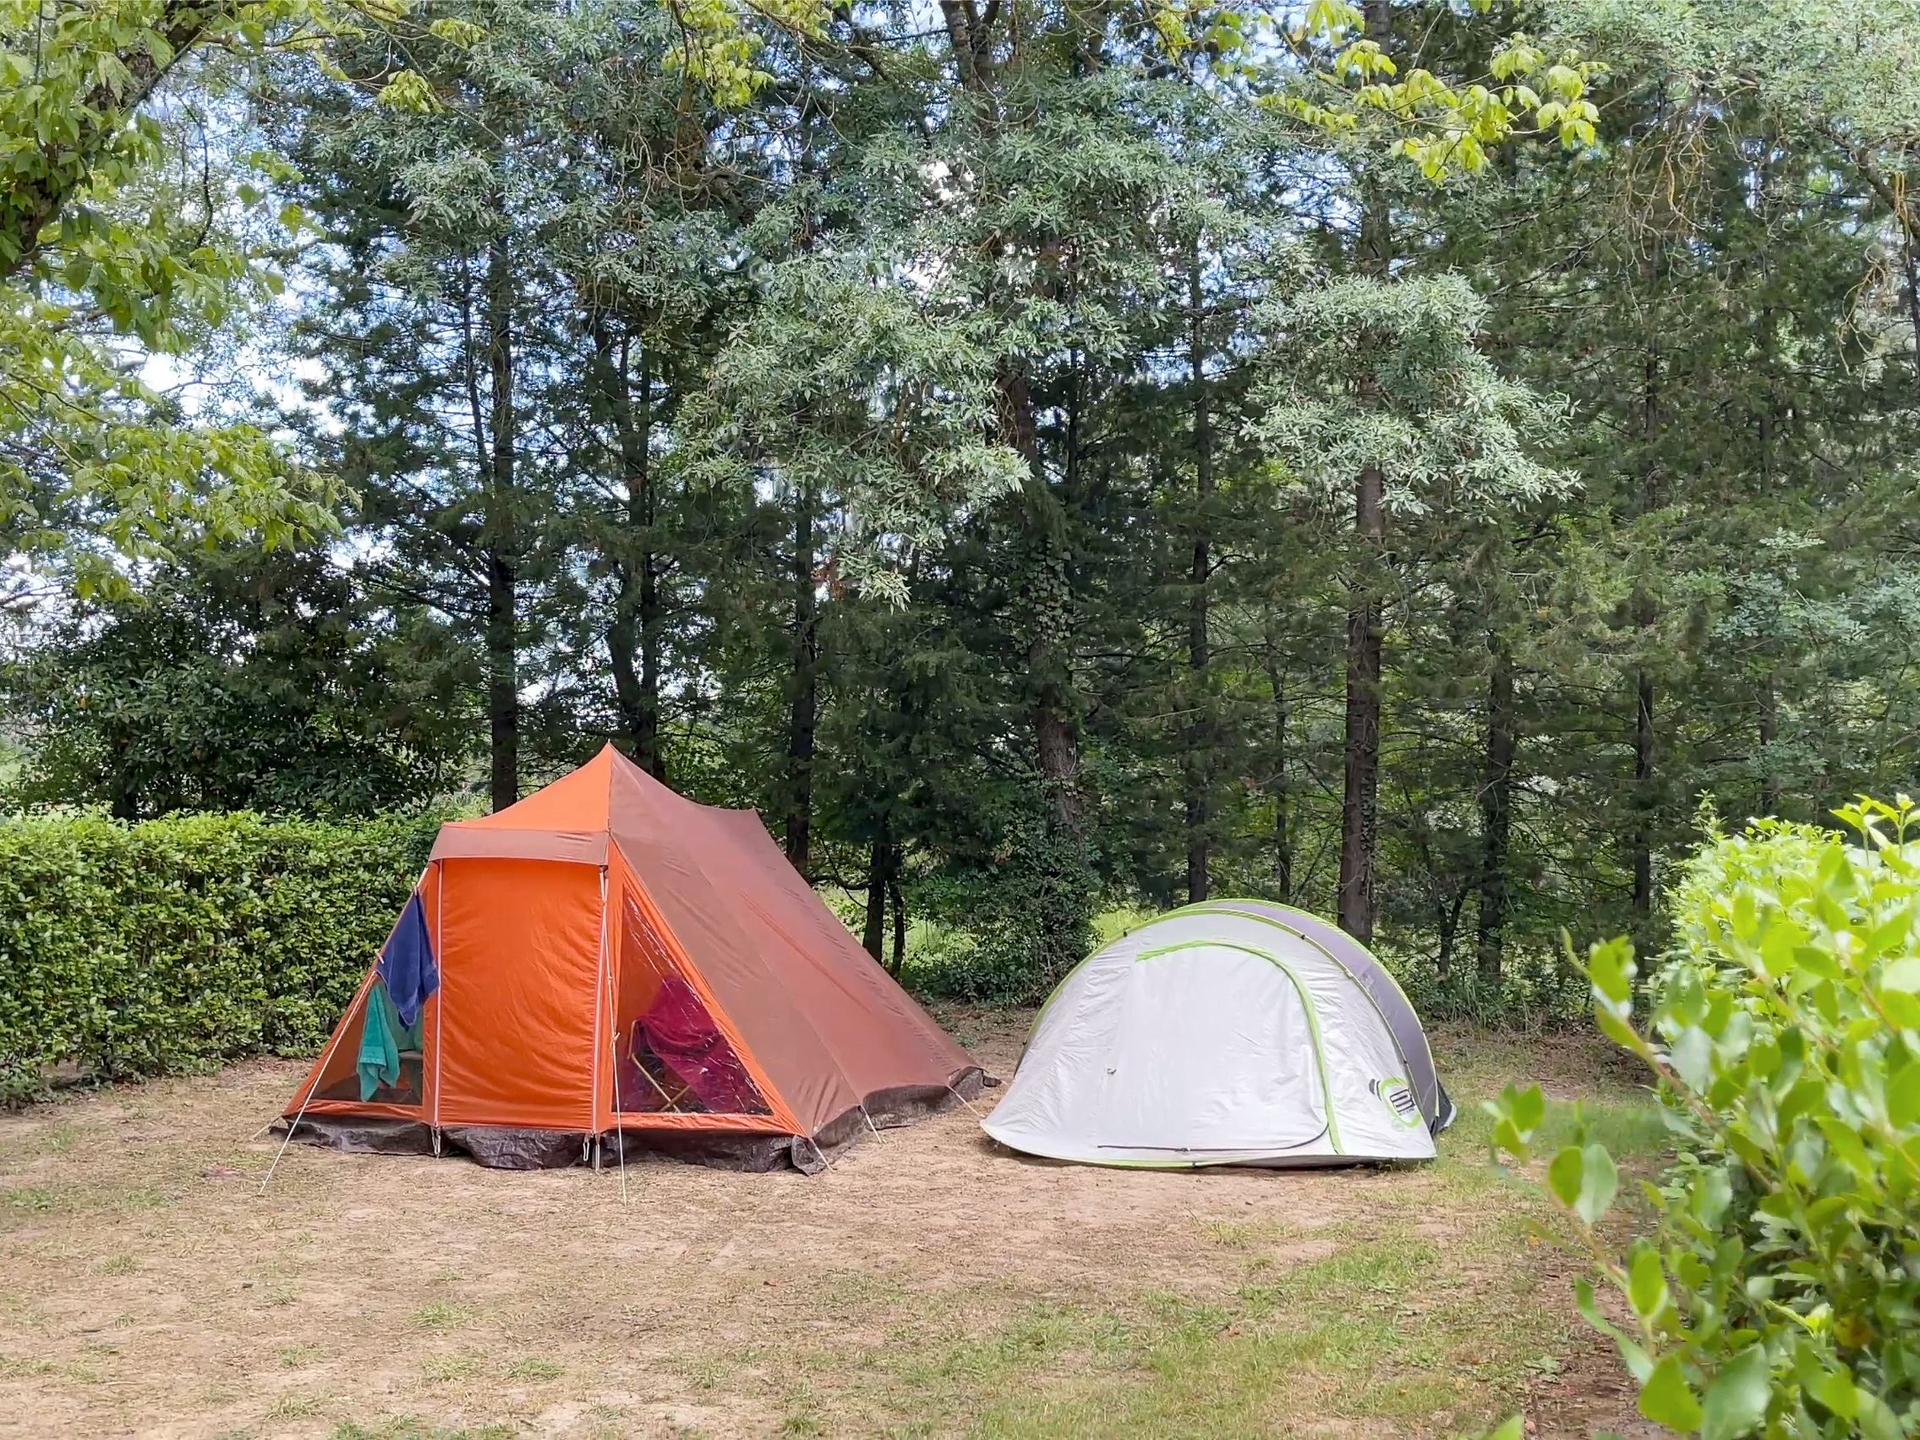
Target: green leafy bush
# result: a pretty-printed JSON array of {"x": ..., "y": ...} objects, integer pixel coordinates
[
  {"x": 189, "y": 941},
  {"x": 1780, "y": 1291}
]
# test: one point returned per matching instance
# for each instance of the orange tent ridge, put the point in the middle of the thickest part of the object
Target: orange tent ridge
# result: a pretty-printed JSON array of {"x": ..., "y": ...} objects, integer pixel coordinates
[{"x": 622, "y": 970}]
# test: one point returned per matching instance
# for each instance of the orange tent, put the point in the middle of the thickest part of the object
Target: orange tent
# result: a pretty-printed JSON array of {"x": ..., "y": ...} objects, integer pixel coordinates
[{"x": 607, "y": 966}]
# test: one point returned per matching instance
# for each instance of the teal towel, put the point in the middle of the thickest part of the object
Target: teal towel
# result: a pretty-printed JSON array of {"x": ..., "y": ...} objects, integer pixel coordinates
[{"x": 379, "y": 1042}]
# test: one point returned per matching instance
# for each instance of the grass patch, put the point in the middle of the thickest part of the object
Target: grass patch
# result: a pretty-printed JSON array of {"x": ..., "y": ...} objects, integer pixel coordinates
[
  {"x": 532, "y": 1367},
  {"x": 441, "y": 1368},
  {"x": 1426, "y": 1312},
  {"x": 1379, "y": 1331},
  {"x": 1631, "y": 1130},
  {"x": 439, "y": 1315},
  {"x": 407, "y": 1427}
]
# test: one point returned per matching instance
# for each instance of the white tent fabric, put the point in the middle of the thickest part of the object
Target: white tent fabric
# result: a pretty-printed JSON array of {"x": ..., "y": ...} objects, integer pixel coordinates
[{"x": 1219, "y": 1035}]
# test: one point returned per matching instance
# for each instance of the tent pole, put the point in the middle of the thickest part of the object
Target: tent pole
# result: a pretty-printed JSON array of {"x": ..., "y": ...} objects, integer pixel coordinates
[
  {"x": 439, "y": 867},
  {"x": 599, "y": 1003},
  {"x": 604, "y": 1006},
  {"x": 332, "y": 1045},
  {"x": 613, "y": 1050}
]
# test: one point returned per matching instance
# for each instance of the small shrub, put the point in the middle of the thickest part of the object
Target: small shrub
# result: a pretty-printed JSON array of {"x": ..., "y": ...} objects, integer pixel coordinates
[{"x": 1780, "y": 1291}]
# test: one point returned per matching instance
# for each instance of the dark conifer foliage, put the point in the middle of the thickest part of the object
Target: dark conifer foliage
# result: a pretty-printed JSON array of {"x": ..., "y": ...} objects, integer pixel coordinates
[{"x": 1044, "y": 467}]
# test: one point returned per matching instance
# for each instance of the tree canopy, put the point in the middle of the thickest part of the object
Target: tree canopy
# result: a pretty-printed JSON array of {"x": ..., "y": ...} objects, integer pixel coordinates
[{"x": 1400, "y": 459}]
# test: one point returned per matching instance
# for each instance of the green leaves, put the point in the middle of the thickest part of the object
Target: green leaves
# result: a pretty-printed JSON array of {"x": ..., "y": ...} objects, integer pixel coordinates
[
  {"x": 1647, "y": 1288},
  {"x": 1667, "y": 1400},
  {"x": 1516, "y": 1114},
  {"x": 1437, "y": 397},
  {"x": 1788, "y": 1224},
  {"x": 187, "y": 942},
  {"x": 1444, "y": 127},
  {"x": 1737, "y": 1399},
  {"x": 1585, "y": 1180},
  {"x": 718, "y": 43},
  {"x": 109, "y": 258},
  {"x": 410, "y": 91}
]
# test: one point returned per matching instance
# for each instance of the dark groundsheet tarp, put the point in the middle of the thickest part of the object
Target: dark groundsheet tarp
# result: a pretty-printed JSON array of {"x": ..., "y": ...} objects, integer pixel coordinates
[{"x": 507, "y": 1148}]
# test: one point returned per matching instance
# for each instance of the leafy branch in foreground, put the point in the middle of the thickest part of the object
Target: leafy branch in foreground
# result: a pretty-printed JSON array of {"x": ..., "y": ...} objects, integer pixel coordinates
[
  {"x": 1778, "y": 1293},
  {"x": 110, "y": 256},
  {"x": 1443, "y": 126}
]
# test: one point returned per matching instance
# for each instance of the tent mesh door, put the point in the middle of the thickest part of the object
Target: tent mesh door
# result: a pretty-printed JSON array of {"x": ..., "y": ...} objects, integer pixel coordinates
[{"x": 669, "y": 1056}]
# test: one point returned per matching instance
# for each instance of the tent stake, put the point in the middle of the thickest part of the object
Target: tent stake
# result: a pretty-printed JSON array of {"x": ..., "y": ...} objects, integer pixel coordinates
[{"x": 620, "y": 1132}]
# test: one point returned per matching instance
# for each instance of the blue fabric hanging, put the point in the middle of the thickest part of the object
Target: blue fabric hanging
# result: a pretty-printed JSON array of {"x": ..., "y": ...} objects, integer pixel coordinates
[{"x": 406, "y": 963}]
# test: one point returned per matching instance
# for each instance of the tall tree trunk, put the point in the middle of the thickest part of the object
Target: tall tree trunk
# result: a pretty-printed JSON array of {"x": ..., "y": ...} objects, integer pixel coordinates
[
  {"x": 1645, "y": 606},
  {"x": 1643, "y": 804},
  {"x": 879, "y": 856},
  {"x": 125, "y": 801},
  {"x": 1199, "y": 652},
  {"x": 1769, "y": 729},
  {"x": 1361, "y": 761},
  {"x": 899, "y": 917},
  {"x": 1280, "y": 784},
  {"x": 804, "y": 683},
  {"x": 1055, "y": 727},
  {"x": 1911, "y": 266},
  {"x": 1496, "y": 807},
  {"x": 1359, "y": 801},
  {"x": 500, "y": 544},
  {"x": 1449, "y": 932},
  {"x": 1646, "y": 615},
  {"x": 971, "y": 38},
  {"x": 635, "y": 631}
]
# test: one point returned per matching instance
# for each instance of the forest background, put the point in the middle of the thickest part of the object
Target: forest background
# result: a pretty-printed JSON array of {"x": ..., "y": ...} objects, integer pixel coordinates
[{"x": 1404, "y": 462}]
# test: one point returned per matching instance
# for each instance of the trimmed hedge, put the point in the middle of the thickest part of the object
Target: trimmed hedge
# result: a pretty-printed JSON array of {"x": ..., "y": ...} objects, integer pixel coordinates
[{"x": 183, "y": 943}]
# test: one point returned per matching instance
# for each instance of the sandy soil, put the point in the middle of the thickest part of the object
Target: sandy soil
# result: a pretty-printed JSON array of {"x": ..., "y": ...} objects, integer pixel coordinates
[{"x": 150, "y": 1288}]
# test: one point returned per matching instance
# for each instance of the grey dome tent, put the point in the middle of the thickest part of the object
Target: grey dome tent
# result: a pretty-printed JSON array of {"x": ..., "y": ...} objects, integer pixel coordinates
[{"x": 1236, "y": 1032}]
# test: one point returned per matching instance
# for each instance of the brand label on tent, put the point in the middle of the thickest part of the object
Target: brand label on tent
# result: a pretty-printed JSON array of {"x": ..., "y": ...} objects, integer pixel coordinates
[{"x": 1397, "y": 1095}]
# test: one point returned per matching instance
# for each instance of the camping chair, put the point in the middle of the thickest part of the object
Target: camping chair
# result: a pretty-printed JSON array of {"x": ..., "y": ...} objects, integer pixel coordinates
[{"x": 682, "y": 1036}]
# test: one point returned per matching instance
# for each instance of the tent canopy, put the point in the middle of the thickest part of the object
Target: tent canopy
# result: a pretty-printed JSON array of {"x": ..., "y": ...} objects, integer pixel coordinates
[
  {"x": 1231, "y": 1033},
  {"x": 607, "y": 958}
]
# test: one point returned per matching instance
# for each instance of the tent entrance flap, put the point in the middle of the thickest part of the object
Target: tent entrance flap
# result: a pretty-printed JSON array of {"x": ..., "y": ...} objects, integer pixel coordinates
[
  {"x": 670, "y": 1057},
  {"x": 1215, "y": 1051}
]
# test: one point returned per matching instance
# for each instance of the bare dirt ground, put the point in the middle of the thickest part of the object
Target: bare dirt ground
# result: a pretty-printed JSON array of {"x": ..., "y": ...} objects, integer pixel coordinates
[{"x": 930, "y": 1283}]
